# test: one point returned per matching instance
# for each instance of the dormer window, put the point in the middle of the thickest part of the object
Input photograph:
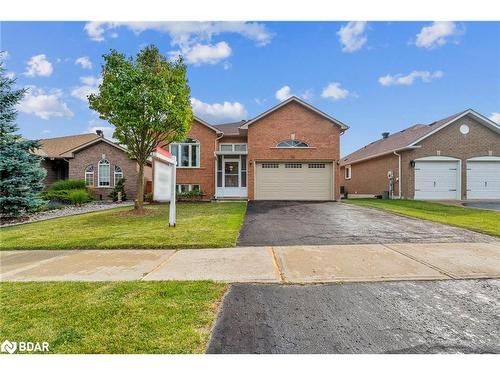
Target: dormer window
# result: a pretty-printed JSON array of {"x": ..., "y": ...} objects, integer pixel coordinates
[{"x": 291, "y": 143}]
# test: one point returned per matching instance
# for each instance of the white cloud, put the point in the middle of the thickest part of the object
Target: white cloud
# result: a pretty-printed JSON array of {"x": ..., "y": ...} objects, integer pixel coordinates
[
  {"x": 90, "y": 86},
  {"x": 38, "y": 65},
  {"x": 44, "y": 105},
  {"x": 437, "y": 34},
  {"x": 334, "y": 91},
  {"x": 495, "y": 117},
  {"x": 204, "y": 53},
  {"x": 4, "y": 56},
  {"x": 283, "y": 93},
  {"x": 409, "y": 79},
  {"x": 184, "y": 32},
  {"x": 84, "y": 62},
  {"x": 107, "y": 130},
  {"x": 219, "y": 112},
  {"x": 352, "y": 36}
]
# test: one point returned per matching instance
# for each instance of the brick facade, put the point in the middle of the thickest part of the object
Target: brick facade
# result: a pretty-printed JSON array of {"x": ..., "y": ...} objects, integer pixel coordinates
[
  {"x": 370, "y": 176},
  {"x": 92, "y": 155},
  {"x": 204, "y": 175},
  {"x": 319, "y": 133},
  {"x": 450, "y": 142}
]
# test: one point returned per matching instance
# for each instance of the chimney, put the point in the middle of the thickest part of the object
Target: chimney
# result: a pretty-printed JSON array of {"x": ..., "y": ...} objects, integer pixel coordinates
[
  {"x": 385, "y": 135},
  {"x": 99, "y": 133}
]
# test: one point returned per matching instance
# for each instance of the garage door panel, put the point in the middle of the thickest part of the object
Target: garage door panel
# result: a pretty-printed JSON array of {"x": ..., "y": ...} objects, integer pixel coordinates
[
  {"x": 304, "y": 183},
  {"x": 436, "y": 179},
  {"x": 483, "y": 180}
]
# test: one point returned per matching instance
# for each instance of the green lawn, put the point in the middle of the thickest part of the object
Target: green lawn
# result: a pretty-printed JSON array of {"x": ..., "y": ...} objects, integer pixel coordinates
[
  {"x": 110, "y": 317},
  {"x": 199, "y": 225},
  {"x": 483, "y": 221}
]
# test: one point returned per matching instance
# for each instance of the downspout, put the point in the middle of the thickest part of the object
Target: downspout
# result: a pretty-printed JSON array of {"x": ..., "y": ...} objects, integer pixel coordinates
[
  {"x": 215, "y": 155},
  {"x": 399, "y": 173}
]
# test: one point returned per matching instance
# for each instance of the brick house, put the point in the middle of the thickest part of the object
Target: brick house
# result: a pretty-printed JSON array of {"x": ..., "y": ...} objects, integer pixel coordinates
[
  {"x": 90, "y": 157},
  {"x": 290, "y": 152},
  {"x": 455, "y": 158}
]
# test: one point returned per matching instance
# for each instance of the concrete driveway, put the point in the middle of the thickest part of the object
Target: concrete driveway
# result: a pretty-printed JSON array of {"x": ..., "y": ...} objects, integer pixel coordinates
[
  {"x": 485, "y": 205},
  {"x": 459, "y": 316},
  {"x": 273, "y": 223}
]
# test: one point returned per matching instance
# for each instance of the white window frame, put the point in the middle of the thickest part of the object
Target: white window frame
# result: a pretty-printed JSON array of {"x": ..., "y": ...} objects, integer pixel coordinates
[
  {"x": 91, "y": 174},
  {"x": 233, "y": 147},
  {"x": 115, "y": 173},
  {"x": 99, "y": 174},
  {"x": 347, "y": 172},
  {"x": 190, "y": 187},
  {"x": 189, "y": 145},
  {"x": 292, "y": 140}
]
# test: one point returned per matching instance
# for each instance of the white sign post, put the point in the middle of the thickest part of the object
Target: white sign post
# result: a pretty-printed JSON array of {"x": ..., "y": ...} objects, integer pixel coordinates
[{"x": 164, "y": 181}]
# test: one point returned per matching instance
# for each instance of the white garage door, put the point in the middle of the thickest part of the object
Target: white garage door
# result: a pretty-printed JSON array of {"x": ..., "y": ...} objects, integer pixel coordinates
[
  {"x": 437, "y": 180},
  {"x": 293, "y": 181},
  {"x": 483, "y": 179}
]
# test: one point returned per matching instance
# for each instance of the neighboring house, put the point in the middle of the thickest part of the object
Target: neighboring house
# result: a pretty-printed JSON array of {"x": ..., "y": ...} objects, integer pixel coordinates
[
  {"x": 90, "y": 157},
  {"x": 455, "y": 158},
  {"x": 290, "y": 152}
]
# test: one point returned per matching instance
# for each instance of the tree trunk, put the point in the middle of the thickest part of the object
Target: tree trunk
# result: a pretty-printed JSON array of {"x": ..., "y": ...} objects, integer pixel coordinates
[{"x": 139, "y": 200}]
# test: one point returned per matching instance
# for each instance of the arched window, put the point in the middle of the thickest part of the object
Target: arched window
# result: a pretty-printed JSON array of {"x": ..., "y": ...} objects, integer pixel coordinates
[
  {"x": 118, "y": 174},
  {"x": 89, "y": 175},
  {"x": 103, "y": 173},
  {"x": 187, "y": 153},
  {"x": 291, "y": 143}
]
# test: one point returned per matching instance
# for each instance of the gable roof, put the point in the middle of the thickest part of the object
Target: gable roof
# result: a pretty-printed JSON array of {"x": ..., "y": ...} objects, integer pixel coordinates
[
  {"x": 301, "y": 102},
  {"x": 206, "y": 124},
  {"x": 409, "y": 137},
  {"x": 230, "y": 128},
  {"x": 55, "y": 147},
  {"x": 65, "y": 147}
]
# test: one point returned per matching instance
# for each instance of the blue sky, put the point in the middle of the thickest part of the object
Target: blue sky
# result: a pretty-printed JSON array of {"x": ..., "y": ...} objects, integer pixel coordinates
[{"x": 373, "y": 76}]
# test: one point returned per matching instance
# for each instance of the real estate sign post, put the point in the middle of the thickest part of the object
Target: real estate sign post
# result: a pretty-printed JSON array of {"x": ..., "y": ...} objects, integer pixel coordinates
[{"x": 164, "y": 180}]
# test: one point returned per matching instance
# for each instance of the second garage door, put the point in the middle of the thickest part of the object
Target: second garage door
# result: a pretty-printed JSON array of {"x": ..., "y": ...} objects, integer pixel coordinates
[
  {"x": 293, "y": 181},
  {"x": 483, "y": 178}
]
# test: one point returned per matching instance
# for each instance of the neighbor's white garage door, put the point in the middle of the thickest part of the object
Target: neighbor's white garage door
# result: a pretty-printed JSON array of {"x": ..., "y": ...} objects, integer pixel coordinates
[
  {"x": 483, "y": 179},
  {"x": 293, "y": 181},
  {"x": 437, "y": 180}
]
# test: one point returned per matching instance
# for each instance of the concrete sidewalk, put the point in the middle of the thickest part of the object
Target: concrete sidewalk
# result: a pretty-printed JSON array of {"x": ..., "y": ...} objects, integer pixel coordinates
[{"x": 288, "y": 264}]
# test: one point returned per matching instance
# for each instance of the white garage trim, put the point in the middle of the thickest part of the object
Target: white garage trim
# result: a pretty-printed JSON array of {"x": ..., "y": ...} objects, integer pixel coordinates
[
  {"x": 483, "y": 177},
  {"x": 430, "y": 195},
  {"x": 294, "y": 180}
]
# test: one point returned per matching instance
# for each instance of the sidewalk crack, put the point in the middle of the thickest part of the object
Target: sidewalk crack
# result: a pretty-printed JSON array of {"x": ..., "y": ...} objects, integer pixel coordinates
[
  {"x": 435, "y": 268},
  {"x": 277, "y": 267},
  {"x": 161, "y": 264}
]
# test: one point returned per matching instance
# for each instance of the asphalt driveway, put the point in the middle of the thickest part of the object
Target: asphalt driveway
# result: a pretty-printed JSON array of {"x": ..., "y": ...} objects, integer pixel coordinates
[
  {"x": 278, "y": 223},
  {"x": 459, "y": 316}
]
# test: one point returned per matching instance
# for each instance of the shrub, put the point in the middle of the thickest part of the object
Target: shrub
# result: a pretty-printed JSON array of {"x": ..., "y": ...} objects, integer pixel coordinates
[
  {"x": 68, "y": 185},
  {"x": 119, "y": 187},
  {"x": 56, "y": 195},
  {"x": 78, "y": 197},
  {"x": 192, "y": 195},
  {"x": 149, "y": 197}
]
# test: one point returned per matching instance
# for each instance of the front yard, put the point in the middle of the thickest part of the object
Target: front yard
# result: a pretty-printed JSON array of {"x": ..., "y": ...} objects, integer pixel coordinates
[
  {"x": 199, "y": 225},
  {"x": 483, "y": 221},
  {"x": 110, "y": 317}
]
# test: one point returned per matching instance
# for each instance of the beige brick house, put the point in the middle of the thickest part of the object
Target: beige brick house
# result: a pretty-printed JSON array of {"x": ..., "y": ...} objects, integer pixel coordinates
[
  {"x": 90, "y": 157},
  {"x": 290, "y": 152},
  {"x": 455, "y": 158}
]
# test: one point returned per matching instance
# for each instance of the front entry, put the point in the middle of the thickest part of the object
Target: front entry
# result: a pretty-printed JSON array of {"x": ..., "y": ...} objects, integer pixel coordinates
[{"x": 231, "y": 176}]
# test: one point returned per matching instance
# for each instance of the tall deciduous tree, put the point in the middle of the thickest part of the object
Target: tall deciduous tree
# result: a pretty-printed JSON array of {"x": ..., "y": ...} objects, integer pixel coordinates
[
  {"x": 147, "y": 100},
  {"x": 21, "y": 177}
]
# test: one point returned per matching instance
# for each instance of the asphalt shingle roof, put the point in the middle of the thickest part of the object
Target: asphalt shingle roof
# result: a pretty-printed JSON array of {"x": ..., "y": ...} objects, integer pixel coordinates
[{"x": 56, "y": 147}]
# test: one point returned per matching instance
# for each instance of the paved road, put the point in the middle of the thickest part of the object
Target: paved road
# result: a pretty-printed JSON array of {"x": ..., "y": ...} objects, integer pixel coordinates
[
  {"x": 394, "y": 317},
  {"x": 269, "y": 223},
  {"x": 495, "y": 206}
]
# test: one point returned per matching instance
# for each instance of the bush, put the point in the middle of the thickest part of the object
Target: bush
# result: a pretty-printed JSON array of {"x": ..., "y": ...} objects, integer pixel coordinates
[
  {"x": 78, "y": 197},
  {"x": 119, "y": 188},
  {"x": 192, "y": 195},
  {"x": 149, "y": 197},
  {"x": 68, "y": 185},
  {"x": 65, "y": 196}
]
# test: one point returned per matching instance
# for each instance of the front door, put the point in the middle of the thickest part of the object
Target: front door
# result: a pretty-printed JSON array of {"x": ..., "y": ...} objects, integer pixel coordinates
[{"x": 231, "y": 178}]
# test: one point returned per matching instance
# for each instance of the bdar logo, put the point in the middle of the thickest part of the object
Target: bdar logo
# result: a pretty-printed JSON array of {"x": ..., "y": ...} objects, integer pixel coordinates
[{"x": 8, "y": 347}]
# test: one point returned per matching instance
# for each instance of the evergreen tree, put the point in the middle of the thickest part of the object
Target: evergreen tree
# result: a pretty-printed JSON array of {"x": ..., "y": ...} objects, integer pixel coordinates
[
  {"x": 119, "y": 187},
  {"x": 21, "y": 175}
]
